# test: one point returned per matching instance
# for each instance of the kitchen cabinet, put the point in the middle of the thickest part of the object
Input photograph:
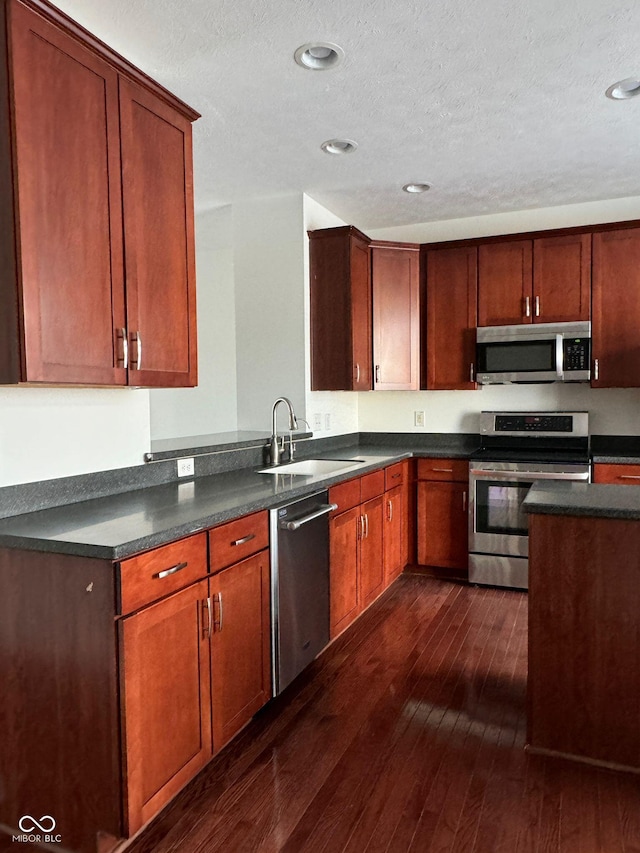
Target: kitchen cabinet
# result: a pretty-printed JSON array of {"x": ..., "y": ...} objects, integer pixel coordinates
[
  {"x": 341, "y": 319},
  {"x": 616, "y": 309},
  {"x": 541, "y": 280},
  {"x": 451, "y": 317},
  {"x": 98, "y": 252},
  {"x": 616, "y": 473},
  {"x": 240, "y": 645},
  {"x": 395, "y": 277},
  {"x": 395, "y": 520},
  {"x": 166, "y": 701},
  {"x": 442, "y": 508},
  {"x": 356, "y": 548}
]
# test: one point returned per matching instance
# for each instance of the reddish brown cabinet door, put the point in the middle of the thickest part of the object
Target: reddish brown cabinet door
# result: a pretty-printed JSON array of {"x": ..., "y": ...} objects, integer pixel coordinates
[
  {"x": 561, "y": 278},
  {"x": 395, "y": 277},
  {"x": 240, "y": 645},
  {"x": 340, "y": 295},
  {"x": 504, "y": 283},
  {"x": 166, "y": 700},
  {"x": 372, "y": 551},
  {"x": 443, "y": 524},
  {"x": 68, "y": 268},
  {"x": 158, "y": 237},
  {"x": 344, "y": 533},
  {"x": 394, "y": 546},
  {"x": 616, "y": 309},
  {"x": 452, "y": 313}
]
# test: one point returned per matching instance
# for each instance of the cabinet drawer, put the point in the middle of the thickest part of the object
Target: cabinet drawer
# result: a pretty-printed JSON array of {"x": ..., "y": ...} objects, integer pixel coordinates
[
  {"x": 237, "y": 540},
  {"x": 622, "y": 475},
  {"x": 346, "y": 495},
  {"x": 395, "y": 475},
  {"x": 443, "y": 469},
  {"x": 372, "y": 485},
  {"x": 157, "y": 573}
]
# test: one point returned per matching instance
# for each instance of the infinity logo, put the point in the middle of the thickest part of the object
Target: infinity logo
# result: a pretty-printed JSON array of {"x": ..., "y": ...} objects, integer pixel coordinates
[{"x": 27, "y": 823}]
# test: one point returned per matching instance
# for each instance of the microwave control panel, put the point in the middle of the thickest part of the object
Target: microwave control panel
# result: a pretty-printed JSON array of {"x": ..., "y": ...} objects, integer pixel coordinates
[{"x": 576, "y": 354}]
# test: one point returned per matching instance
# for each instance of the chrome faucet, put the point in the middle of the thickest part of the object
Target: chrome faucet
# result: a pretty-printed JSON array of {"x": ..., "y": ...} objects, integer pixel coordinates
[{"x": 276, "y": 447}]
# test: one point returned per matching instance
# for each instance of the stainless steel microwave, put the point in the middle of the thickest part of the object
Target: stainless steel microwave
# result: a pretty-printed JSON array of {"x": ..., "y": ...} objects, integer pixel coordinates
[{"x": 537, "y": 352}]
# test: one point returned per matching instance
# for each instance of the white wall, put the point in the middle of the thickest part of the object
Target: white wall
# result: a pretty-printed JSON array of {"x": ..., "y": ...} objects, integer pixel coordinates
[
  {"x": 58, "y": 432},
  {"x": 212, "y": 406},
  {"x": 269, "y": 308}
]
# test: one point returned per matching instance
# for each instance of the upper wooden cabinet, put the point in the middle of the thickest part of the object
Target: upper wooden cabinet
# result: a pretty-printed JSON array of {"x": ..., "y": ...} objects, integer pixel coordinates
[
  {"x": 542, "y": 280},
  {"x": 95, "y": 168},
  {"x": 340, "y": 284},
  {"x": 395, "y": 276},
  {"x": 616, "y": 309},
  {"x": 451, "y": 317}
]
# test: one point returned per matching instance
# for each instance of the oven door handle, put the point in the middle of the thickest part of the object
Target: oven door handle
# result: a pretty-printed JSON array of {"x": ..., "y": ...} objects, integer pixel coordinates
[
  {"x": 559, "y": 357},
  {"x": 524, "y": 475}
]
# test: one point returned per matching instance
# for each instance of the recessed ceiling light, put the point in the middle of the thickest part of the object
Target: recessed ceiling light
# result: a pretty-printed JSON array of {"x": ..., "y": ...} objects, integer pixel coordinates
[
  {"x": 416, "y": 188},
  {"x": 318, "y": 56},
  {"x": 624, "y": 89},
  {"x": 339, "y": 146}
]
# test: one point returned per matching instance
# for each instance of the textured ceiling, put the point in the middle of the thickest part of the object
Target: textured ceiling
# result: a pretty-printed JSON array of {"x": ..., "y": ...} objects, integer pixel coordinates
[{"x": 498, "y": 104}]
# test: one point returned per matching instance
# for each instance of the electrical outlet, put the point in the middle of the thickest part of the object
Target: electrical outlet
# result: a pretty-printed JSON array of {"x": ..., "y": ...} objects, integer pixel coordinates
[
  {"x": 185, "y": 467},
  {"x": 327, "y": 421},
  {"x": 317, "y": 421},
  {"x": 418, "y": 419}
]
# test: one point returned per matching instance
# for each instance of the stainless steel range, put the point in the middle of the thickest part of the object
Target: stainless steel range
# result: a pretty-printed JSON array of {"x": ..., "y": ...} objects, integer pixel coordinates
[{"x": 517, "y": 448}]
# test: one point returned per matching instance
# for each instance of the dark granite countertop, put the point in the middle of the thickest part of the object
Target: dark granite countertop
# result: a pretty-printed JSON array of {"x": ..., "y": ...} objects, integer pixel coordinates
[
  {"x": 119, "y": 525},
  {"x": 590, "y": 499}
]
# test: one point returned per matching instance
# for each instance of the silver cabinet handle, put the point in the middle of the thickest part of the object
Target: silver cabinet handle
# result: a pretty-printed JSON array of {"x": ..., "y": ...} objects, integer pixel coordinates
[
  {"x": 297, "y": 524},
  {"x": 464, "y": 502},
  {"x": 596, "y": 368},
  {"x": 357, "y": 373},
  {"x": 136, "y": 364},
  {"x": 377, "y": 373},
  {"x": 366, "y": 525},
  {"x": 209, "y": 629},
  {"x": 217, "y": 623},
  {"x": 360, "y": 530},
  {"x": 537, "y": 306},
  {"x": 472, "y": 372},
  {"x": 122, "y": 336},
  {"x": 244, "y": 539},
  {"x": 166, "y": 572},
  {"x": 443, "y": 470},
  {"x": 527, "y": 307},
  {"x": 389, "y": 510},
  {"x": 628, "y": 477}
]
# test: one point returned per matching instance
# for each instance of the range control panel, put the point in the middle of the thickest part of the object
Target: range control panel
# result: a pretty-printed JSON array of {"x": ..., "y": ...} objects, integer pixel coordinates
[{"x": 533, "y": 423}]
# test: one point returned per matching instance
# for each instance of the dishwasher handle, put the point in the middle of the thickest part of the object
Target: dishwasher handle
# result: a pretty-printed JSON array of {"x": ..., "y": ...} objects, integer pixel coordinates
[{"x": 297, "y": 524}]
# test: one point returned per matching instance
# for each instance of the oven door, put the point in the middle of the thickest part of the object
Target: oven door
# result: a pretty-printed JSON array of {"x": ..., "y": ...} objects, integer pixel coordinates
[
  {"x": 532, "y": 360},
  {"x": 497, "y": 522}
]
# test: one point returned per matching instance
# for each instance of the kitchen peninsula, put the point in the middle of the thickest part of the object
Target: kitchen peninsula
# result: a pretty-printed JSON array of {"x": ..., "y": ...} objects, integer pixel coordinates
[{"x": 584, "y": 623}]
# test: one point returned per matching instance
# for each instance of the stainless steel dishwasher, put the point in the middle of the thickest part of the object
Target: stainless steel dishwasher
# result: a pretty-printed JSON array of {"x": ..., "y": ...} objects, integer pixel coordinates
[{"x": 299, "y": 585}]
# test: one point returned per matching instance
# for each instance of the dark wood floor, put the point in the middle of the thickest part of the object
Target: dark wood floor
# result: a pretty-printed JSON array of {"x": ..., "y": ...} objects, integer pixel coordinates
[{"x": 406, "y": 735}]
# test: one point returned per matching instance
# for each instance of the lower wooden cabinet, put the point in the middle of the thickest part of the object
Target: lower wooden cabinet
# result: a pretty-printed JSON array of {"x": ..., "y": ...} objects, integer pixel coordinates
[
  {"x": 442, "y": 498},
  {"x": 394, "y": 546},
  {"x": 344, "y": 541},
  {"x": 371, "y": 551},
  {"x": 165, "y": 691},
  {"x": 240, "y": 645}
]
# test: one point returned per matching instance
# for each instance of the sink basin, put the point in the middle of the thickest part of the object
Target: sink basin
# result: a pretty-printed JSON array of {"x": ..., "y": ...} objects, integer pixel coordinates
[{"x": 310, "y": 467}]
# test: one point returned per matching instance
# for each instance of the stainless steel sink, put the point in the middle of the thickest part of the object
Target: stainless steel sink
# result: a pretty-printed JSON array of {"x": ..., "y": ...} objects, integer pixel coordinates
[{"x": 311, "y": 467}]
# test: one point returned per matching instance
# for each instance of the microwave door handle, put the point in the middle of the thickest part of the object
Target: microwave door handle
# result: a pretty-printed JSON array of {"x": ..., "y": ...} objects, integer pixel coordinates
[{"x": 559, "y": 356}]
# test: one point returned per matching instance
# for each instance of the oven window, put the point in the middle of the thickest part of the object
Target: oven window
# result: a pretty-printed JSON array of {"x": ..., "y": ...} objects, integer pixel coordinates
[
  {"x": 517, "y": 357},
  {"x": 499, "y": 507}
]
